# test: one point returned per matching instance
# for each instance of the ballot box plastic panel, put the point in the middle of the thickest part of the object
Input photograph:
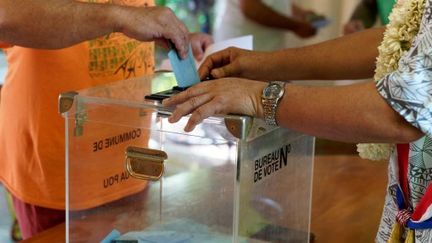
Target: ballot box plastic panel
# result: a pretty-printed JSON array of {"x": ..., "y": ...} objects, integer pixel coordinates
[
  {"x": 233, "y": 179},
  {"x": 275, "y": 186}
]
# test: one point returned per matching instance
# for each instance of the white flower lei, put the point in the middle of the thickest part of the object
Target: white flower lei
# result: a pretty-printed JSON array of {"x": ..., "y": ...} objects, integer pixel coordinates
[{"x": 398, "y": 36}]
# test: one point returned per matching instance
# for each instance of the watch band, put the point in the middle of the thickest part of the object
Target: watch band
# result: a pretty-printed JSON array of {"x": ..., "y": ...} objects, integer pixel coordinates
[
  {"x": 270, "y": 106},
  {"x": 270, "y": 101}
]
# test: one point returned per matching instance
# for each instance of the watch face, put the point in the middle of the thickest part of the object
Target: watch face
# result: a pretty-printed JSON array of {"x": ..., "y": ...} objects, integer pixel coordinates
[{"x": 273, "y": 91}]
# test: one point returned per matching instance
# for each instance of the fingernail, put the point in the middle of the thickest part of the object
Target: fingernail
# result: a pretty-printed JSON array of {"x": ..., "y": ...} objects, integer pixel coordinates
[
  {"x": 171, "y": 119},
  {"x": 187, "y": 128}
]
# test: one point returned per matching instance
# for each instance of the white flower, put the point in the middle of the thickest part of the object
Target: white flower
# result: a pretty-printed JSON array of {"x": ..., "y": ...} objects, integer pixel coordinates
[{"x": 374, "y": 151}]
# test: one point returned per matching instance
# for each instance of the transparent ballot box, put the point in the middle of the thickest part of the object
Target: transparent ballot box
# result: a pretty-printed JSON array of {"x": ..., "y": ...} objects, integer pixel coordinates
[{"x": 131, "y": 176}]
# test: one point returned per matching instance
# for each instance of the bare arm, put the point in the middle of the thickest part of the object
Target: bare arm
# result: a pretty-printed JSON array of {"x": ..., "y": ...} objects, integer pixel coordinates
[
  {"x": 355, "y": 113},
  {"x": 264, "y": 15},
  {"x": 52, "y": 24},
  {"x": 348, "y": 57}
]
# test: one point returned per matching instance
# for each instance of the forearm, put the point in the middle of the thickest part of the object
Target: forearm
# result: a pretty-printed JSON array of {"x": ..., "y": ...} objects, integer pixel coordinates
[
  {"x": 355, "y": 113},
  {"x": 348, "y": 57},
  {"x": 51, "y": 24},
  {"x": 264, "y": 15}
]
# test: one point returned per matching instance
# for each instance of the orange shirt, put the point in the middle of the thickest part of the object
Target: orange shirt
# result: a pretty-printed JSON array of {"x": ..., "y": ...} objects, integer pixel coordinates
[{"x": 31, "y": 129}]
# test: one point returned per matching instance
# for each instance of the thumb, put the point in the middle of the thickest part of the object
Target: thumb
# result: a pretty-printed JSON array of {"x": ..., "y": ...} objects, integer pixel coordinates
[
  {"x": 222, "y": 72},
  {"x": 197, "y": 50}
]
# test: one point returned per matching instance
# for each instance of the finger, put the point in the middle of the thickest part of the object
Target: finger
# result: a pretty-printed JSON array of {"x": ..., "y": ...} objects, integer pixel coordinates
[
  {"x": 175, "y": 99},
  {"x": 205, "y": 68},
  {"x": 205, "y": 43},
  {"x": 197, "y": 49},
  {"x": 179, "y": 36},
  {"x": 225, "y": 71},
  {"x": 188, "y": 107},
  {"x": 181, "y": 45},
  {"x": 347, "y": 30},
  {"x": 314, "y": 31},
  {"x": 182, "y": 97},
  {"x": 183, "y": 27},
  {"x": 198, "y": 115},
  {"x": 215, "y": 60},
  {"x": 208, "y": 40},
  {"x": 186, "y": 39}
]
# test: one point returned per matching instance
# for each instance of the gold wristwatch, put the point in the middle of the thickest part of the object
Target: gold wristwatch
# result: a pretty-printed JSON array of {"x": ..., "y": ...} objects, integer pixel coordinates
[{"x": 270, "y": 98}]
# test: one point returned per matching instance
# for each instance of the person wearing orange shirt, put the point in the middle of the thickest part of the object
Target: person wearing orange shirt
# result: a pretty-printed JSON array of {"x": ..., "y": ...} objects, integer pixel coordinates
[{"x": 53, "y": 46}]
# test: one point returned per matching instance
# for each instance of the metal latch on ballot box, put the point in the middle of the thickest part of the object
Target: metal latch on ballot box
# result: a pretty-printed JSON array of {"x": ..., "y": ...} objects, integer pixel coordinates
[{"x": 144, "y": 163}]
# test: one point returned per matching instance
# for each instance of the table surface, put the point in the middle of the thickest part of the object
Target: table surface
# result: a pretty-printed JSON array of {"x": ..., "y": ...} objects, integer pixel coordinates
[{"x": 347, "y": 201}]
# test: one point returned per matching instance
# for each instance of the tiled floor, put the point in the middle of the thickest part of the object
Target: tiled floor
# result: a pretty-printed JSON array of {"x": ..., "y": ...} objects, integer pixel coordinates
[{"x": 5, "y": 219}]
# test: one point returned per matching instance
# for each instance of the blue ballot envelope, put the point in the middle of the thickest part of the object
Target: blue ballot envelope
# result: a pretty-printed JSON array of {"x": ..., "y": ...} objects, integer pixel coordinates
[
  {"x": 317, "y": 21},
  {"x": 184, "y": 69},
  {"x": 185, "y": 73}
]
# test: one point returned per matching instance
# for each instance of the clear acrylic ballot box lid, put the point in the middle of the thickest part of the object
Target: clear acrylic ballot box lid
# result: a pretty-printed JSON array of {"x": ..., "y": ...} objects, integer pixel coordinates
[{"x": 131, "y": 176}]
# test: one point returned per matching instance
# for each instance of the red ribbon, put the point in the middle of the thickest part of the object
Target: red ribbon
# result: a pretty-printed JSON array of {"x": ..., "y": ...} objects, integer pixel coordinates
[{"x": 426, "y": 200}]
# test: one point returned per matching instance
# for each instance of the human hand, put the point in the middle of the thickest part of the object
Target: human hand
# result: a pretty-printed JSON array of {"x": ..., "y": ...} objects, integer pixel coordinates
[
  {"x": 300, "y": 13},
  {"x": 234, "y": 62},
  {"x": 304, "y": 30},
  {"x": 155, "y": 23},
  {"x": 216, "y": 97},
  {"x": 199, "y": 43},
  {"x": 353, "y": 26}
]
